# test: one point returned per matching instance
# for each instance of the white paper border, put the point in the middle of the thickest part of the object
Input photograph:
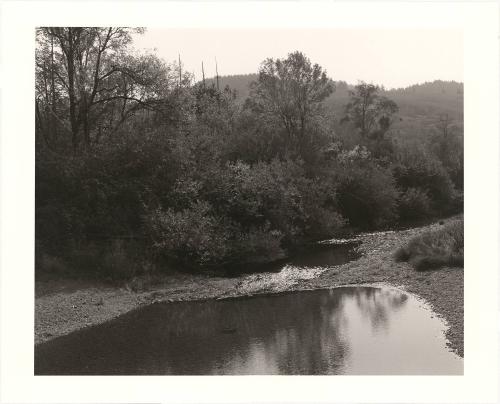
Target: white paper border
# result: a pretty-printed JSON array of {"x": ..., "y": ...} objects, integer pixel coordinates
[{"x": 479, "y": 22}]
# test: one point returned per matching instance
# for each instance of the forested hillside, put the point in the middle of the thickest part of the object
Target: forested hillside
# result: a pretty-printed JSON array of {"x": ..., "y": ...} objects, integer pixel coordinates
[
  {"x": 419, "y": 100},
  {"x": 139, "y": 168},
  {"x": 424, "y": 110}
]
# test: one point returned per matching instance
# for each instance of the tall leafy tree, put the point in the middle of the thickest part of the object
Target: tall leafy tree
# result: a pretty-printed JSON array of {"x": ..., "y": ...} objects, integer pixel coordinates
[
  {"x": 370, "y": 112},
  {"x": 290, "y": 92},
  {"x": 87, "y": 83}
]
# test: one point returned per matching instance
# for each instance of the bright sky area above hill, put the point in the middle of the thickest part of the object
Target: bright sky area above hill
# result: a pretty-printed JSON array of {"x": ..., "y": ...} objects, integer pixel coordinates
[{"x": 393, "y": 58}]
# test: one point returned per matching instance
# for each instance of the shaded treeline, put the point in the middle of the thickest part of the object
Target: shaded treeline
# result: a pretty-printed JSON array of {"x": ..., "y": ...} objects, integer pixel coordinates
[{"x": 139, "y": 167}]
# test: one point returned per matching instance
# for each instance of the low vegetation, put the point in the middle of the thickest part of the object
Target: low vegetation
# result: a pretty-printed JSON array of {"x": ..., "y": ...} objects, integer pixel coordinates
[
  {"x": 138, "y": 166},
  {"x": 435, "y": 248}
]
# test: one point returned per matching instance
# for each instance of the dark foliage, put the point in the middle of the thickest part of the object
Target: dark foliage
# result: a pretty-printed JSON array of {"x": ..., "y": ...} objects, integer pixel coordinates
[
  {"x": 421, "y": 172},
  {"x": 158, "y": 171}
]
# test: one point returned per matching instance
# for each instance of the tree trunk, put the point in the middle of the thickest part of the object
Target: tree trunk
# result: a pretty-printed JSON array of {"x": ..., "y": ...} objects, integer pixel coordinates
[
  {"x": 70, "y": 57},
  {"x": 53, "y": 90}
]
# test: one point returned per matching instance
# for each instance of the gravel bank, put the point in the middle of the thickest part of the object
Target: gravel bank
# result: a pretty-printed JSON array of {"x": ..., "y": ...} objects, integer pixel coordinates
[{"x": 65, "y": 306}]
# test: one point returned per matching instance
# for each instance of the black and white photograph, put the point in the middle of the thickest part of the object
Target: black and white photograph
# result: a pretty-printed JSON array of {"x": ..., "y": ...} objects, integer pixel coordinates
[
  {"x": 195, "y": 217},
  {"x": 255, "y": 200}
]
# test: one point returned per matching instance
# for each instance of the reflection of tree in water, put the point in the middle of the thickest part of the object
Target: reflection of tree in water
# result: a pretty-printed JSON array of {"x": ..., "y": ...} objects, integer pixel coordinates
[
  {"x": 375, "y": 304},
  {"x": 294, "y": 333},
  {"x": 281, "y": 334}
]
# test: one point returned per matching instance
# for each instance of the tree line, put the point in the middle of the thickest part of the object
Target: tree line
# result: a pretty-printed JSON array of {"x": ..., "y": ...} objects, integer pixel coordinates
[{"x": 139, "y": 167}]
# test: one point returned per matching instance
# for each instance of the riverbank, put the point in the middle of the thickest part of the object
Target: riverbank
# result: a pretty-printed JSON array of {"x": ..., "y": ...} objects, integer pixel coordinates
[{"x": 64, "y": 306}]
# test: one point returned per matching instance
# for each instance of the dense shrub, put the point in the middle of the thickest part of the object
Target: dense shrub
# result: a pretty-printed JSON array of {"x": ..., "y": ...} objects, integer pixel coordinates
[
  {"x": 277, "y": 193},
  {"x": 122, "y": 259},
  {"x": 185, "y": 198},
  {"x": 433, "y": 249},
  {"x": 366, "y": 192},
  {"x": 114, "y": 259},
  {"x": 258, "y": 246},
  {"x": 192, "y": 236},
  {"x": 101, "y": 195},
  {"x": 196, "y": 237},
  {"x": 243, "y": 213},
  {"x": 449, "y": 150},
  {"x": 414, "y": 204},
  {"x": 419, "y": 170}
]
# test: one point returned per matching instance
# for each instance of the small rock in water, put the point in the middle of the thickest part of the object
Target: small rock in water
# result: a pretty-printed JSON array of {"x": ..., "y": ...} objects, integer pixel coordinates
[{"x": 228, "y": 330}]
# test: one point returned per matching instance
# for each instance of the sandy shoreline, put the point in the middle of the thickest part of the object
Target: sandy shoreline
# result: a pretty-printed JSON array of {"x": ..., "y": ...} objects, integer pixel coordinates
[{"x": 65, "y": 306}]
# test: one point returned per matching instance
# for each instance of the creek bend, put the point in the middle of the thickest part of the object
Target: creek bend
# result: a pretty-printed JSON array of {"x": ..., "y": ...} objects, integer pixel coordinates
[{"x": 346, "y": 330}]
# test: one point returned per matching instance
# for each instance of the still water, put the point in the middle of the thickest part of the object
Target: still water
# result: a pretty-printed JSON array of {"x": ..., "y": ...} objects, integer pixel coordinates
[
  {"x": 349, "y": 330},
  {"x": 317, "y": 256}
]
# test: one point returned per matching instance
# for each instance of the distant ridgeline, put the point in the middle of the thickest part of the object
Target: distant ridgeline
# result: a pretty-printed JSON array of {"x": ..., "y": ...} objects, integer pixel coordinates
[{"x": 420, "y": 105}]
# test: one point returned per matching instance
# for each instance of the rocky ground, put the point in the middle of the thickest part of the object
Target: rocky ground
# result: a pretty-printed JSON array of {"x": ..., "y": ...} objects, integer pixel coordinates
[{"x": 64, "y": 306}]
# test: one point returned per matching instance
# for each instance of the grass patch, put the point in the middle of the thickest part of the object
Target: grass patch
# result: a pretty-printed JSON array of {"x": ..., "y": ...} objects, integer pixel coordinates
[{"x": 435, "y": 248}]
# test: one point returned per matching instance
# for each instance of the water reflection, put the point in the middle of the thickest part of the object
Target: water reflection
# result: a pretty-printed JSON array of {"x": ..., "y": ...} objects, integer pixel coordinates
[
  {"x": 374, "y": 305},
  {"x": 340, "y": 331}
]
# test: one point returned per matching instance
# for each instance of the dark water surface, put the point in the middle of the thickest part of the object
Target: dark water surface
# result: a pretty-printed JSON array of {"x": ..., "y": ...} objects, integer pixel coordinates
[
  {"x": 312, "y": 256},
  {"x": 349, "y": 330}
]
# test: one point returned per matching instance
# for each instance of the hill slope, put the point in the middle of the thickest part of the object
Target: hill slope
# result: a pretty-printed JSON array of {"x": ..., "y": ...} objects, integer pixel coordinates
[{"x": 421, "y": 106}]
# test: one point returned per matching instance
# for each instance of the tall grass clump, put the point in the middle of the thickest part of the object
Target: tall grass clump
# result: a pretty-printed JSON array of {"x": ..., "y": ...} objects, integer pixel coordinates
[{"x": 435, "y": 248}]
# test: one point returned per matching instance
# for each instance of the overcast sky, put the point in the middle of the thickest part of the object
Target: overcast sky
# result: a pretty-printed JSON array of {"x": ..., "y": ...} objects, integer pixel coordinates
[{"x": 393, "y": 58}]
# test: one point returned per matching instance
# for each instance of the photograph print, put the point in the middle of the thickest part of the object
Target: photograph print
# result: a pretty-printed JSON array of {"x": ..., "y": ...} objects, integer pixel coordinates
[{"x": 249, "y": 201}]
